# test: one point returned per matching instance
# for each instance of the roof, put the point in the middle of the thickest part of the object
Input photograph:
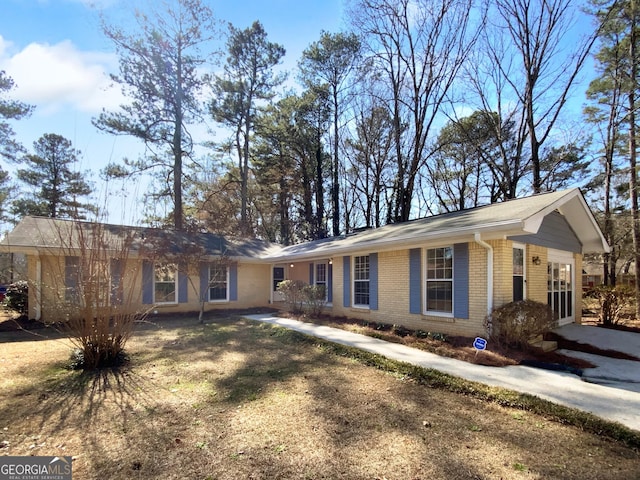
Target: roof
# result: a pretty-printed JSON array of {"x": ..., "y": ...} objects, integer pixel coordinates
[
  {"x": 41, "y": 234},
  {"x": 499, "y": 220}
]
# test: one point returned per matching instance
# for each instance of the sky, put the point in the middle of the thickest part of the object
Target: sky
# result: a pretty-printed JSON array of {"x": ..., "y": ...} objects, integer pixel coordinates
[{"x": 60, "y": 61}]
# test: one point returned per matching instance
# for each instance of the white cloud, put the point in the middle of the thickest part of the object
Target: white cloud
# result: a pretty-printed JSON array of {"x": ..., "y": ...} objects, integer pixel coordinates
[{"x": 56, "y": 77}]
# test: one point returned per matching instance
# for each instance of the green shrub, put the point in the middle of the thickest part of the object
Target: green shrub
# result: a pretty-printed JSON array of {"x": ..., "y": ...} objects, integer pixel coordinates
[
  {"x": 301, "y": 297},
  {"x": 515, "y": 324},
  {"x": 314, "y": 299},
  {"x": 17, "y": 297},
  {"x": 293, "y": 296},
  {"x": 612, "y": 302}
]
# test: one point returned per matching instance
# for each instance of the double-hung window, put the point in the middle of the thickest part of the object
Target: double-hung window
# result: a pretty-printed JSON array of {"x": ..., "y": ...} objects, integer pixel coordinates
[
  {"x": 165, "y": 283},
  {"x": 218, "y": 283},
  {"x": 321, "y": 276},
  {"x": 361, "y": 281},
  {"x": 439, "y": 281}
]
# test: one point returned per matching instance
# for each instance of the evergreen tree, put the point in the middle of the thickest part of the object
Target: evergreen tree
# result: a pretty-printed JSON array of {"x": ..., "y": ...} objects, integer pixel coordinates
[
  {"x": 57, "y": 191},
  {"x": 10, "y": 149},
  {"x": 248, "y": 79},
  {"x": 330, "y": 61},
  {"x": 160, "y": 70}
]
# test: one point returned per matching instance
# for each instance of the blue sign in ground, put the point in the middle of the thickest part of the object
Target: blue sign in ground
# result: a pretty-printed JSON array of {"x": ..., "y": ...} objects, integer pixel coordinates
[{"x": 479, "y": 343}]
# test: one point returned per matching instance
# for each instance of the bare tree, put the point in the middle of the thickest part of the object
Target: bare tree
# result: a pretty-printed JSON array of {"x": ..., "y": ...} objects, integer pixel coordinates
[
  {"x": 528, "y": 63},
  {"x": 418, "y": 47}
]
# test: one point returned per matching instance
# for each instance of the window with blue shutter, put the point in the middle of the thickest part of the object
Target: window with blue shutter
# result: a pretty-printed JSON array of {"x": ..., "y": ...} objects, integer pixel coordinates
[
  {"x": 71, "y": 279},
  {"x": 147, "y": 282},
  {"x": 346, "y": 281},
  {"x": 415, "y": 280},
  {"x": 461, "y": 280},
  {"x": 117, "y": 288},
  {"x": 183, "y": 284},
  {"x": 233, "y": 282},
  {"x": 373, "y": 281}
]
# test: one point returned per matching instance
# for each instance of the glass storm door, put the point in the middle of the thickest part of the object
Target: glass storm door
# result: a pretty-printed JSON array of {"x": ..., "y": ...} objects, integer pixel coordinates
[{"x": 560, "y": 294}]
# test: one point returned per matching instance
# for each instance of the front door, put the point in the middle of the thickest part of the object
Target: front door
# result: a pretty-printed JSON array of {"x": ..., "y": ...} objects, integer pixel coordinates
[{"x": 278, "y": 276}]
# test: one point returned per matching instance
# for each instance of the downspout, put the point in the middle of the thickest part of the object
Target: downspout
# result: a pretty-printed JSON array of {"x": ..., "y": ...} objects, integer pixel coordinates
[
  {"x": 489, "y": 249},
  {"x": 38, "y": 292}
]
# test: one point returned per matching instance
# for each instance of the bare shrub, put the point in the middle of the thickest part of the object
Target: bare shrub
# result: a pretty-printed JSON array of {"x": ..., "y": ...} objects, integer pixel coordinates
[
  {"x": 91, "y": 297},
  {"x": 612, "y": 302},
  {"x": 515, "y": 324}
]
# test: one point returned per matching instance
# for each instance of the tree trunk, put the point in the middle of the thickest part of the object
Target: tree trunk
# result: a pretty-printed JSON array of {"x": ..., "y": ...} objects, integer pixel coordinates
[
  {"x": 633, "y": 174},
  {"x": 336, "y": 171},
  {"x": 178, "y": 216}
]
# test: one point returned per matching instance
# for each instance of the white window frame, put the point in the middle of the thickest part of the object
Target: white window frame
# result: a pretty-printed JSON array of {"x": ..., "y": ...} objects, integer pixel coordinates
[
  {"x": 426, "y": 280},
  {"x": 175, "y": 282},
  {"x": 325, "y": 282},
  {"x": 210, "y": 285},
  {"x": 366, "y": 306}
]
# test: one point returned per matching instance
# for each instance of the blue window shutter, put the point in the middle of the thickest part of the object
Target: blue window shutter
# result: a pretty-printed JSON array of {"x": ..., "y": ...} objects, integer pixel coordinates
[
  {"x": 461, "y": 280},
  {"x": 311, "y": 265},
  {"x": 204, "y": 282},
  {"x": 117, "y": 271},
  {"x": 71, "y": 270},
  {"x": 373, "y": 281},
  {"x": 183, "y": 284},
  {"x": 330, "y": 283},
  {"x": 346, "y": 281},
  {"x": 147, "y": 282},
  {"x": 233, "y": 282},
  {"x": 415, "y": 280}
]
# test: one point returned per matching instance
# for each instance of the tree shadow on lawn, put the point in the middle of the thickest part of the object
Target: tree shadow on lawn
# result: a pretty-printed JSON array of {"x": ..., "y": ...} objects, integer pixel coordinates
[{"x": 258, "y": 401}]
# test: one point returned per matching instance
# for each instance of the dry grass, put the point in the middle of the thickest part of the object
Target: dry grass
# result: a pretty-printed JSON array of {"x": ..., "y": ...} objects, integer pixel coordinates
[{"x": 234, "y": 399}]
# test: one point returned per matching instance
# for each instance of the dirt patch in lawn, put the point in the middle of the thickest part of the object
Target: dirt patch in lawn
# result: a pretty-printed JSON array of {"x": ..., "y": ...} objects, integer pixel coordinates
[{"x": 236, "y": 399}]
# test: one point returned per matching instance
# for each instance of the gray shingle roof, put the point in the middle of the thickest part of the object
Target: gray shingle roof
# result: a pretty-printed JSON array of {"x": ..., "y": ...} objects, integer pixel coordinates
[
  {"x": 515, "y": 217},
  {"x": 41, "y": 234}
]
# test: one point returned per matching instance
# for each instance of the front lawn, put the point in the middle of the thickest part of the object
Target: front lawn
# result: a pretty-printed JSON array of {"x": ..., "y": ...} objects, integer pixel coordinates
[{"x": 234, "y": 399}]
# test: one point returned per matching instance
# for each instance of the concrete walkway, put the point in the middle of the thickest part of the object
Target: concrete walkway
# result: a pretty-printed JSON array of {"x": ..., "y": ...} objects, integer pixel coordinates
[{"x": 609, "y": 402}]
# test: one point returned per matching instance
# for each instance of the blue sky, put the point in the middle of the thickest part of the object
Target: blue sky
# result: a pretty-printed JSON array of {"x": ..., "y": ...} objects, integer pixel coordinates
[{"x": 55, "y": 52}]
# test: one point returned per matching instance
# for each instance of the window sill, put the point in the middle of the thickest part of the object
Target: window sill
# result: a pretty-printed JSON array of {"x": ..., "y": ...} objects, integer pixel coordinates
[
  {"x": 431, "y": 317},
  {"x": 360, "y": 309}
]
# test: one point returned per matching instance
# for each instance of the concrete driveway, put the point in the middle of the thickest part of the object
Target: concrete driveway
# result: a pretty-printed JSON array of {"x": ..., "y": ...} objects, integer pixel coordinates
[{"x": 624, "y": 374}]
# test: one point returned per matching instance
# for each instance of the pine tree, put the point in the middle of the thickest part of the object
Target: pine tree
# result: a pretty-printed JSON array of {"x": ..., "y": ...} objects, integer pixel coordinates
[{"x": 57, "y": 190}]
